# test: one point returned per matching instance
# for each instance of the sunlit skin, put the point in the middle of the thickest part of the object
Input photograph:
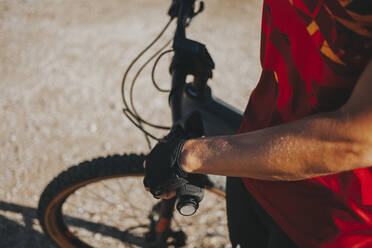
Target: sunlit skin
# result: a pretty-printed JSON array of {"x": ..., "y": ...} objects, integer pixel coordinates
[{"x": 318, "y": 145}]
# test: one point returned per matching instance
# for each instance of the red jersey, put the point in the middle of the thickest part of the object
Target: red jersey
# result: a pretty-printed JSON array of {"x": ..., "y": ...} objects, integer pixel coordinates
[{"x": 312, "y": 54}]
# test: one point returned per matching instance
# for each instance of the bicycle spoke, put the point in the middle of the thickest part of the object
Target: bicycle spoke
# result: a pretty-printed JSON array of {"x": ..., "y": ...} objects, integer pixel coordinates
[{"x": 112, "y": 204}]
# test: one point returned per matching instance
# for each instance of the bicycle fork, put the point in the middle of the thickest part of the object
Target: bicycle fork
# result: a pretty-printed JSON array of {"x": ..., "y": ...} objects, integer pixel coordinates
[{"x": 160, "y": 233}]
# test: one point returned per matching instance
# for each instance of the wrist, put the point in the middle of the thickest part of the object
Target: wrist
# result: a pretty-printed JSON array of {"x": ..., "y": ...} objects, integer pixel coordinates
[{"x": 188, "y": 160}]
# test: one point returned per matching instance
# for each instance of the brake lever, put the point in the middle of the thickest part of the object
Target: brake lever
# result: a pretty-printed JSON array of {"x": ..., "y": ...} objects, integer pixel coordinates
[
  {"x": 174, "y": 10},
  {"x": 201, "y": 8}
]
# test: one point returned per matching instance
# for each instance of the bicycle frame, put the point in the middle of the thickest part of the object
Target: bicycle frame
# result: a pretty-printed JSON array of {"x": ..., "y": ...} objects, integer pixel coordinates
[{"x": 218, "y": 117}]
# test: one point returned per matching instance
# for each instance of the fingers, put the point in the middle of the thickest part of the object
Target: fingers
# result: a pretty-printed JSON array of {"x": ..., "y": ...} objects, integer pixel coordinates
[{"x": 166, "y": 196}]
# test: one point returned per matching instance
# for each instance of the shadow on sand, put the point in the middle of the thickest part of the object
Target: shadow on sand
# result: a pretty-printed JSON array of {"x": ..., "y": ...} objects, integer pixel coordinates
[{"x": 14, "y": 235}]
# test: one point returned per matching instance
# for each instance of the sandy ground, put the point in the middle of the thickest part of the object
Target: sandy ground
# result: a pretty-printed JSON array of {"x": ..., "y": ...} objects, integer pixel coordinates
[{"x": 61, "y": 64}]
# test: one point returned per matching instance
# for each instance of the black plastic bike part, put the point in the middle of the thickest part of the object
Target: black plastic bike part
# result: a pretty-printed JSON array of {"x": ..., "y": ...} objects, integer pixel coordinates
[
  {"x": 187, "y": 205},
  {"x": 195, "y": 60},
  {"x": 190, "y": 195},
  {"x": 188, "y": 201},
  {"x": 175, "y": 7},
  {"x": 194, "y": 57},
  {"x": 176, "y": 94},
  {"x": 193, "y": 125},
  {"x": 190, "y": 58},
  {"x": 218, "y": 117},
  {"x": 185, "y": 12}
]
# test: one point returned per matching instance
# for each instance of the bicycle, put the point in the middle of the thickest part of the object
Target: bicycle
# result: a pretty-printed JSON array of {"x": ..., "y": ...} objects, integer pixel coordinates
[{"x": 193, "y": 107}]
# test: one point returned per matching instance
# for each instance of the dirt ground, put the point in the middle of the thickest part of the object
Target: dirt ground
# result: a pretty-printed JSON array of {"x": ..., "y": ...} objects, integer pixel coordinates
[{"x": 61, "y": 65}]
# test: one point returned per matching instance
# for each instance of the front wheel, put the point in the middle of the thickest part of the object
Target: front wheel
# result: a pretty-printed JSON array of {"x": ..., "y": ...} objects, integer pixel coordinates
[{"x": 102, "y": 203}]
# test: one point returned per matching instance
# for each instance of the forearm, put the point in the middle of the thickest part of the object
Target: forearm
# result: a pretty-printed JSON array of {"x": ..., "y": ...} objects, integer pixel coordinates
[
  {"x": 317, "y": 145},
  {"x": 314, "y": 146}
]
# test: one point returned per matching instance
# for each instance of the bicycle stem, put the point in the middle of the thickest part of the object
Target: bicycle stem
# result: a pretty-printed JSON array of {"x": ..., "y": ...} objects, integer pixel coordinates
[
  {"x": 182, "y": 9},
  {"x": 190, "y": 57}
]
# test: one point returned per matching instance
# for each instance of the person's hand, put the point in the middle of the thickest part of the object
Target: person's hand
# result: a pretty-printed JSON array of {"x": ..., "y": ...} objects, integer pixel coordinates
[{"x": 163, "y": 174}]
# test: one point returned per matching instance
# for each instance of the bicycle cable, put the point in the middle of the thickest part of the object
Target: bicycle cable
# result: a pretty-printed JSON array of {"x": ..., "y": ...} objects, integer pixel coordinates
[
  {"x": 130, "y": 115},
  {"x": 130, "y": 111},
  {"x": 134, "y": 81},
  {"x": 153, "y": 71}
]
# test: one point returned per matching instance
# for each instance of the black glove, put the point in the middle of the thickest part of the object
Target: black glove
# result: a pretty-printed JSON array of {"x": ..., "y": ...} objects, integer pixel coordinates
[{"x": 163, "y": 172}]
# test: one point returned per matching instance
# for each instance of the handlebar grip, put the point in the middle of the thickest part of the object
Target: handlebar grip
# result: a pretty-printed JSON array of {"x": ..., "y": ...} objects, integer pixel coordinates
[{"x": 189, "y": 196}]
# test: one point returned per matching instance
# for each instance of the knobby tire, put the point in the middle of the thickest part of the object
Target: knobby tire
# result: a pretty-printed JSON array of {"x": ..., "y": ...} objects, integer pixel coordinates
[{"x": 60, "y": 188}]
